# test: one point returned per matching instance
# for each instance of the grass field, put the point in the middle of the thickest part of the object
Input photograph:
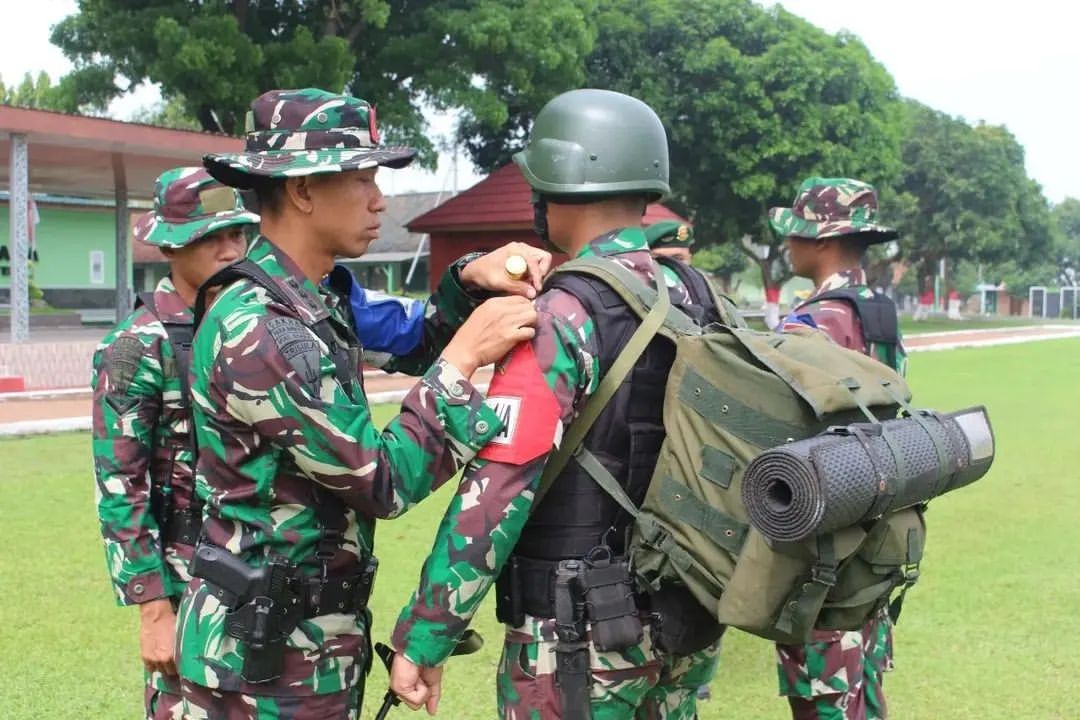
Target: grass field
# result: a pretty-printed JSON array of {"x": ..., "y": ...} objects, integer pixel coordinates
[{"x": 991, "y": 632}]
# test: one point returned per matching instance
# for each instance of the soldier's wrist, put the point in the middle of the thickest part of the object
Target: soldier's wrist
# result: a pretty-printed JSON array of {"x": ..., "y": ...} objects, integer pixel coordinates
[
  {"x": 462, "y": 359},
  {"x": 158, "y": 609}
]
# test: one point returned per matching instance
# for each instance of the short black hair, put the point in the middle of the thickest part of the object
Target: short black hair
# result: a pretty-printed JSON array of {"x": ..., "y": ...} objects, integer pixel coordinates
[
  {"x": 856, "y": 244},
  {"x": 268, "y": 194}
]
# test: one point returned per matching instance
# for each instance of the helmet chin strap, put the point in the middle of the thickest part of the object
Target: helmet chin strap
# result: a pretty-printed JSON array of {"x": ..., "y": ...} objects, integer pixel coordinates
[{"x": 540, "y": 222}]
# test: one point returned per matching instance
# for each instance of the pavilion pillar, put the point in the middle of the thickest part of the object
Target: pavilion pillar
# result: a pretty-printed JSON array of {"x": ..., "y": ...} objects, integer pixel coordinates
[
  {"x": 18, "y": 202},
  {"x": 123, "y": 289}
]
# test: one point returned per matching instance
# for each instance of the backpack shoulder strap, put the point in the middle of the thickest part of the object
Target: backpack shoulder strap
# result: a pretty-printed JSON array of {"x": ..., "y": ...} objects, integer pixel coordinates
[
  {"x": 704, "y": 292},
  {"x": 655, "y": 309},
  {"x": 635, "y": 292},
  {"x": 243, "y": 269},
  {"x": 877, "y": 315},
  {"x": 700, "y": 289},
  {"x": 180, "y": 336}
]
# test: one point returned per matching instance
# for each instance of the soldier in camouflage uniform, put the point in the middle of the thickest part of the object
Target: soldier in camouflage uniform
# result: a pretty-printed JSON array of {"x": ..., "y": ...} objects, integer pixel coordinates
[
  {"x": 142, "y": 418},
  {"x": 613, "y": 152},
  {"x": 838, "y": 675},
  {"x": 291, "y": 466}
]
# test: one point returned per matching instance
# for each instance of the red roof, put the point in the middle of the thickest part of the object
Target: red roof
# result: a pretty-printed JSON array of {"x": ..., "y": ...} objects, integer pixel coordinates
[
  {"x": 501, "y": 201},
  {"x": 78, "y": 156}
]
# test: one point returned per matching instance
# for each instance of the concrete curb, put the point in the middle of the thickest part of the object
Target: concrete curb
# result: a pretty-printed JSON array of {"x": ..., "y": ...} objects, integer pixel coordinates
[
  {"x": 973, "y": 331},
  {"x": 992, "y": 342},
  {"x": 43, "y": 427},
  {"x": 71, "y": 424}
]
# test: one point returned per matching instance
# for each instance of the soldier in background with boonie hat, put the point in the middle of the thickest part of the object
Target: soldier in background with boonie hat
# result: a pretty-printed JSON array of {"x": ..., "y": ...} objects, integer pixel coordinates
[
  {"x": 143, "y": 454},
  {"x": 293, "y": 468},
  {"x": 839, "y": 675}
]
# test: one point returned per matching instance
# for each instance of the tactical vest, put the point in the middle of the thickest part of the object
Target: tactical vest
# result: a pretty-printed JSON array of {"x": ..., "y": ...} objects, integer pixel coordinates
[
  {"x": 347, "y": 371},
  {"x": 178, "y": 525},
  {"x": 878, "y": 318},
  {"x": 577, "y": 514}
]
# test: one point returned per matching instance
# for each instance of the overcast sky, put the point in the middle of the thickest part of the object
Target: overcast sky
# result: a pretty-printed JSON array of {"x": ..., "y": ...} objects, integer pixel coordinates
[{"x": 1004, "y": 63}]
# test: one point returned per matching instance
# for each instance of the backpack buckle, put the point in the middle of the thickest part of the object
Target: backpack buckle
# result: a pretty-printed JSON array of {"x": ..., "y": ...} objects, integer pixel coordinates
[{"x": 823, "y": 575}]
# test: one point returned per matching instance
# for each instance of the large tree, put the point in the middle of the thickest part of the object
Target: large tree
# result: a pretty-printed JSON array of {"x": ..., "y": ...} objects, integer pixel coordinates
[
  {"x": 403, "y": 55},
  {"x": 973, "y": 198},
  {"x": 70, "y": 94},
  {"x": 1067, "y": 217},
  {"x": 754, "y": 99}
]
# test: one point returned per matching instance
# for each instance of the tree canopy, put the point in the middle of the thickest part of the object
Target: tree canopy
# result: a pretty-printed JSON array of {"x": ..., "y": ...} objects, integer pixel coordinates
[{"x": 403, "y": 55}]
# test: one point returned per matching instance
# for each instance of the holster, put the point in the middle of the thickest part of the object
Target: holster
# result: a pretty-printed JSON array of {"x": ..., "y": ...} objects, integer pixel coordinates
[
  {"x": 265, "y": 604},
  {"x": 571, "y": 650}
]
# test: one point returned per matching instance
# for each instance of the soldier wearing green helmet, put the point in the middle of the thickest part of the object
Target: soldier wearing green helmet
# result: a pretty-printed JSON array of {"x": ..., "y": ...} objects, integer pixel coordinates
[
  {"x": 143, "y": 454},
  {"x": 582, "y": 639}
]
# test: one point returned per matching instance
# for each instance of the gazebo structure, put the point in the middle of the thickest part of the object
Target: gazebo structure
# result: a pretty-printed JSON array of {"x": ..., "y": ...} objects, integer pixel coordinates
[
  {"x": 86, "y": 157},
  {"x": 495, "y": 211}
]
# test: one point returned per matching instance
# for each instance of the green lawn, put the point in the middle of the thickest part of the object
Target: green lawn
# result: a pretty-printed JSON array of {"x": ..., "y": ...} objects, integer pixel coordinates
[{"x": 989, "y": 633}]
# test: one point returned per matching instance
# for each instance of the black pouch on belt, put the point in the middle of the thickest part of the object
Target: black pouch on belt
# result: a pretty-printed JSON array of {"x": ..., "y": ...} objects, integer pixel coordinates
[
  {"x": 610, "y": 605},
  {"x": 509, "y": 608}
]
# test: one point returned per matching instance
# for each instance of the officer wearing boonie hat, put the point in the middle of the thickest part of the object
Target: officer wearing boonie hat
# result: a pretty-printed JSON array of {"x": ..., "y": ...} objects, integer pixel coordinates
[
  {"x": 143, "y": 455},
  {"x": 827, "y": 231},
  {"x": 292, "y": 466}
]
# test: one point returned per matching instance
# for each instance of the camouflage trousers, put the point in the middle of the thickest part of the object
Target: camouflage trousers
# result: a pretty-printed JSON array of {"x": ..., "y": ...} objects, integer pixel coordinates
[
  {"x": 162, "y": 697},
  {"x": 639, "y": 683},
  {"x": 838, "y": 675},
  {"x": 202, "y": 703}
]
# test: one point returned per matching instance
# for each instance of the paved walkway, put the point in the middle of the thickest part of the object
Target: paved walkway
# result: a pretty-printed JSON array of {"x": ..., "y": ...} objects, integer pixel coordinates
[
  {"x": 38, "y": 406},
  {"x": 28, "y": 413}
]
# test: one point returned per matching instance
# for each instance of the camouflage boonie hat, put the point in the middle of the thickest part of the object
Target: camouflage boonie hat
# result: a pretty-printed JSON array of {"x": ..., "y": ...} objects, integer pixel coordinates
[
  {"x": 306, "y": 132},
  {"x": 189, "y": 205},
  {"x": 669, "y": 233},
  {"x": 831, "y": 207}
]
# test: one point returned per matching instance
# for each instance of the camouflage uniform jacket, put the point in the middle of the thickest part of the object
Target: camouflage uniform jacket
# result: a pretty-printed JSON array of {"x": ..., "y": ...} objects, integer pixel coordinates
[
  {"x": 141, "y": 449},
  {"x": 838, "y": 318},
  {"x": 279, "y": 435},
  {"x": 555, "y": 372}
]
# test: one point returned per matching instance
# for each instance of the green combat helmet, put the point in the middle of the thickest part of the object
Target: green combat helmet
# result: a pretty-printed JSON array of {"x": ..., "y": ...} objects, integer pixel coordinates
[
  {"x": 832, "y": 207},
  {"x": 306, "y": 132},
  {"x": 188, "y": 206},
  {"x": 596, "y": 142},
  {"x": 669, "y": 234}
]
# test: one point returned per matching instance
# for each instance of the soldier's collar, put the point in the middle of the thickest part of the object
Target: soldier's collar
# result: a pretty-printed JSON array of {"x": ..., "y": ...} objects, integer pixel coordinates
[
  {"x": 283, "y": 270},
  {"x": 842, "y": 279},
  {"x": 624, "y": 240},
  {"x": 169, "y": 305}
]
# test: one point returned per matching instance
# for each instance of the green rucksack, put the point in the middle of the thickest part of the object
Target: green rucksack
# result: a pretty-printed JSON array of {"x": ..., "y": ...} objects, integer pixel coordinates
[{"x": 731, "y": 394}]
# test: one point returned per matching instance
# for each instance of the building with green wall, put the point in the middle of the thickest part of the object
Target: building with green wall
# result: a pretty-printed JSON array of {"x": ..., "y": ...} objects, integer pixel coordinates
[{"x": 75, "y": 249}]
